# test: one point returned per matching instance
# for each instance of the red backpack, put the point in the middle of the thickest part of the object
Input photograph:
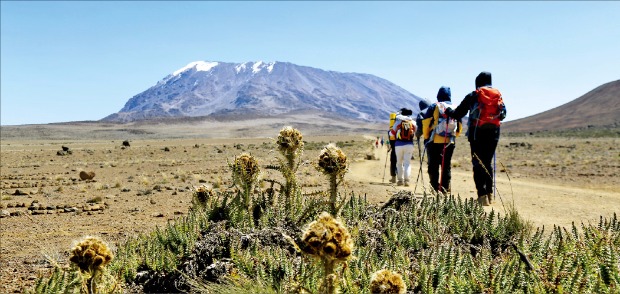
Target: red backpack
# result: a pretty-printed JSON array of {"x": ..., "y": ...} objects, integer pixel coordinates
[
  {"x": 489, "y": 107},
  {"x": 405, "y": 130}
]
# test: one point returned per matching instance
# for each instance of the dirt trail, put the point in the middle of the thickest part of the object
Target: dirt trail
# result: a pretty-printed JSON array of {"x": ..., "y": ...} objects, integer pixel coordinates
[{"x": 542, "y": 203}]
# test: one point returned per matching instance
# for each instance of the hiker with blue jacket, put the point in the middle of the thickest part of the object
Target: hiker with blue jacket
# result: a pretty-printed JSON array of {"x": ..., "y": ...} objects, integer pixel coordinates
[
  {"x": 440, "y": 132},
  {"x": 423, "y": 105},
  {"x": 486, "y": 111}
]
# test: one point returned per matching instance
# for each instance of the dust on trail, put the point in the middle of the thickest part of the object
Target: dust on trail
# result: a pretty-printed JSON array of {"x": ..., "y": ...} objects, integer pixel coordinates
[{"x": 537, "y": 201}]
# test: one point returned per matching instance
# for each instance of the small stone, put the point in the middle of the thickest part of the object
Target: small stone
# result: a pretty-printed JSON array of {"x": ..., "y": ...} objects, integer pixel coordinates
[{"x": 86, "y": 175}]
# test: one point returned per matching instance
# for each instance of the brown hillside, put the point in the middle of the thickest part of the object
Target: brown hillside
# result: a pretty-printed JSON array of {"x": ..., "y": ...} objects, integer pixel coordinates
[{"x": 599, "y": 107}]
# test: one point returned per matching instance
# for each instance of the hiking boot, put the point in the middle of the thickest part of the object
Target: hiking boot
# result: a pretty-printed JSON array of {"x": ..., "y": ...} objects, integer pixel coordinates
[
  {"x": 393, "y": 179},
  {"x": 406, "y": 183},
  {"x": 400, "y": 183},
  {"x": 483, "y": 200},
  {"x": 490, "y": 198}
]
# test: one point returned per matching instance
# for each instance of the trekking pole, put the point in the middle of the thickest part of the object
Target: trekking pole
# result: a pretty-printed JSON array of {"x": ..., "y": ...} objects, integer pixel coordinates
[
  {"x": 494, "y": 175},
  {"x": 385, "y": 166},
  {"x": 420, "y": 172},
  {"x": 443, "y": 156},
  {"x": 420, "y": 169}
]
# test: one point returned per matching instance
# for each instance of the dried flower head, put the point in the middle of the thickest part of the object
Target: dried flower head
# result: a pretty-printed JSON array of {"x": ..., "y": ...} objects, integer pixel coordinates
[
  {"x": 245, "y": 169},
  {"x": 91, "y": 253},
  {"x": 332, "y": 161},
  {"x": 203, "y": 193},
  {"x": 290, "y": 141},
  {"x": 385, "y": 281},
  {"x": 327, "y": 238}
]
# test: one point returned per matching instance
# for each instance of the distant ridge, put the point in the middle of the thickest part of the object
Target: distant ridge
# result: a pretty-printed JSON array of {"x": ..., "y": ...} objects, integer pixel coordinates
[
  {"x": 231, "y": 90},
  {"x": 599, "y": 108}
]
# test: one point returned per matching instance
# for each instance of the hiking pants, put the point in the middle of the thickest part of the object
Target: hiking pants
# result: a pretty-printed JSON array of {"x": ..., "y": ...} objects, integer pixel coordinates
[
  {"x": 393, "y": 158},
  {"x": 403, "y": 164},
  {"x": 482, "y": 151},
  {"x": 435, "y": 155}
]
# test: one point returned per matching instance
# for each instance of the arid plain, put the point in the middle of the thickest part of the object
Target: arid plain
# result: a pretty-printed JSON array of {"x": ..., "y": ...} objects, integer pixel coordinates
[{"x": 550, "y": 181}]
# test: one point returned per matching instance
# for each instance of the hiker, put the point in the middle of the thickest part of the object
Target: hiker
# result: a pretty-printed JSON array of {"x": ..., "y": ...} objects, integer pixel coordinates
[
  {"x": 404, "y": 132},
  {"x": 486, "y": 110},
  {"x": 382, "y": 141},
  {"x": 391, "y": 148},
  {"x": 377, "y": 143},
  {"x": 418, "y": 120},
  {"x": 440, "y": 132}
]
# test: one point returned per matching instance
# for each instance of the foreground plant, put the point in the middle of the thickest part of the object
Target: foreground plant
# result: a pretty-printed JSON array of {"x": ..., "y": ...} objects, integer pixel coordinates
[
  {"x": 290, "y": 144},
  {"x": 329, "y": 241},
  {"x": 246, "y": 174},
  {"x": 202, "y": 195},
  {"x": 91, "y": 255},
  {"x": 385, "y": 281},
  {"x": 333, "y": 163}
]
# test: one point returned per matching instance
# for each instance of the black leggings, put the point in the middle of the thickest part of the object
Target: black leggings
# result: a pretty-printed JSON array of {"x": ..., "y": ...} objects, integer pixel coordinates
[
  {"x": 393, "y": 158},
  {"x": 482, "y": 151},
  {"x": 435, "y": 154}
]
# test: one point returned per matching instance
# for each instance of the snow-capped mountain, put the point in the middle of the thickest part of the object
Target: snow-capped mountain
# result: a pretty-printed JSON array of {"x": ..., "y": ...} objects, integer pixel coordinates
[{"x": 217, "y": 88}]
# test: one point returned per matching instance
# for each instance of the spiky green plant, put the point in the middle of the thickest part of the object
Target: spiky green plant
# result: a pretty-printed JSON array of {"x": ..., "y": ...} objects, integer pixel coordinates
[
  {"x": 291, "y": 145},
  {"x": 91, "y": 255},
  {"x": 334, "y": 164},
  {"x": 246, "y": 173},
  {"x": 328, "y": 240},
  {"x": 385, "y": 281},
  {"x": 202, "y": 195}
]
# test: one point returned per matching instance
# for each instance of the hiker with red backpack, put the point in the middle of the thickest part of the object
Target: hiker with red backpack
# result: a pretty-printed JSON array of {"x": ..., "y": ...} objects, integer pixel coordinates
[
  {"x": 404, "y": 133},
  {"x": 486, "y": 111},
  {"x": 440, "y": 132}
]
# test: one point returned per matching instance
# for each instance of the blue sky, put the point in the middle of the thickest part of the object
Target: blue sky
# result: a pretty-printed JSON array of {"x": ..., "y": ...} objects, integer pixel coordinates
[{"x": 72, "y": 60}]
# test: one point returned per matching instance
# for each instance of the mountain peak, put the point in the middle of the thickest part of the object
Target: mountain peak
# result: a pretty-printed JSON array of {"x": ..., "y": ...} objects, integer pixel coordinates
[
  {"x": 198, "y": 65},
  {"x": 204, "y": 88},
  {"x": 255, "y": 66}
]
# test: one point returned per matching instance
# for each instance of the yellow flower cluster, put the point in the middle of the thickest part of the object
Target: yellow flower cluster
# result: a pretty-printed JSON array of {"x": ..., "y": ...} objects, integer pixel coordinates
[
  {"x": 245, "y": 169},
  {"x": 327, "y": 238},
  {"x": 385, "y": 281},
  {"x": 332, "y": 161},
  {"x": 90, "y": 254},
  {"x": 289, "y": 140}
]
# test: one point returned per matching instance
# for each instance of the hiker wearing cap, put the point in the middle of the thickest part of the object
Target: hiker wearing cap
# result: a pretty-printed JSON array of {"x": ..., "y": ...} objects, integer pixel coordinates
[
  {"x": 440, "y": 132},
  {"x": 486, "y": 111},
  {"x": 404, "y": 133}
]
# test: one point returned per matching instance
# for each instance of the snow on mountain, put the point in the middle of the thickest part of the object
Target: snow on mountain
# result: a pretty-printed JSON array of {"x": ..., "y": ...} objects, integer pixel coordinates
[{"x": 217, "y": 88}]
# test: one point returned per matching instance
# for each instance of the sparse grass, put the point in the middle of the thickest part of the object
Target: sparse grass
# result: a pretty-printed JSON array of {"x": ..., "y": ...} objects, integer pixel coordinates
[
  {"x": 144, "y": 180},
  {"x": 99, "y": 186},
  {"x": 96, "y": 199}
]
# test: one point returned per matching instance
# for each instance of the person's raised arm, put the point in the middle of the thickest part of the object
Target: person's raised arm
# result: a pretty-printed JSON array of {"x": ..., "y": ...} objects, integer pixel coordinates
[{"x": 460, "y": 111}]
